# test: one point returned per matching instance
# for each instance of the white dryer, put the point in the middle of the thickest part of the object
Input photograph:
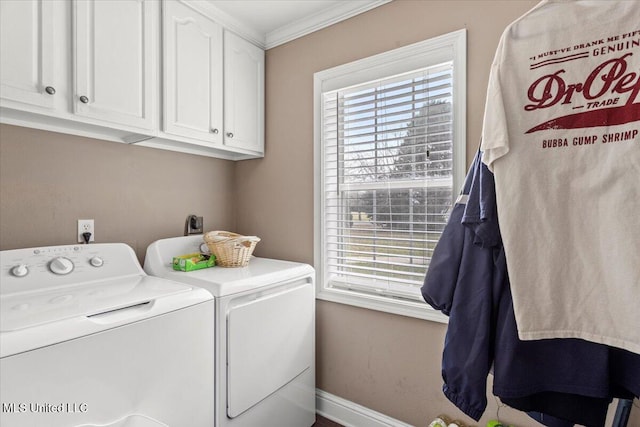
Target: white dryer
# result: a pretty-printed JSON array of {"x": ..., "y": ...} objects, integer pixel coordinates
[
  {"x": 88, "y": 339},
  {"x": 264, "y": 335}
]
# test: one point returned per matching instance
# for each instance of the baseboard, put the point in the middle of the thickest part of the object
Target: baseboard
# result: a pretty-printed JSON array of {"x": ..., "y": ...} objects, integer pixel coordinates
[{"x": 351, "y": 414}]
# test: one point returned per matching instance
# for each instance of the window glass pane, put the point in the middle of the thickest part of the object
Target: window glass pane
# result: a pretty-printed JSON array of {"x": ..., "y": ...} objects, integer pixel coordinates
[
  {"x": 390, "y": 142},
  {"x": 388, "y": 179}
]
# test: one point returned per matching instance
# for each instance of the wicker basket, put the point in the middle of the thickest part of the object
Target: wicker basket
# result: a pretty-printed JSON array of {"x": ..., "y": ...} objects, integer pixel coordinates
[{"x": 230, "y": 249}]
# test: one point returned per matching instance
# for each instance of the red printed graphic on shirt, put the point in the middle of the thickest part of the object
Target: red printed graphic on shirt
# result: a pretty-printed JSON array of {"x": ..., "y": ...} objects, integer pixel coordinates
[{"x": 609, "y": 93}]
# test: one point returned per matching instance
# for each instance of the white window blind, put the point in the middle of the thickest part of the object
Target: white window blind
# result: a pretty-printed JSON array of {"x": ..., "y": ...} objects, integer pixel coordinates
[
  {"x": 390, "y": 147},
  {"x": 388, "y": 179}
]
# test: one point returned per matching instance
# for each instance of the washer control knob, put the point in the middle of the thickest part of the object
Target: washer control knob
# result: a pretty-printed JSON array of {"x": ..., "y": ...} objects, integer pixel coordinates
[
  {"x": 61, "y": 266},
  {"x": 20, "y": 270},
  {"x": 96, "y": 261}
]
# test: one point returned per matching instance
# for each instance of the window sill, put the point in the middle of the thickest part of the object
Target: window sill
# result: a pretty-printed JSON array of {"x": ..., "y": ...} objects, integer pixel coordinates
[{"x": 419, "y": 310}]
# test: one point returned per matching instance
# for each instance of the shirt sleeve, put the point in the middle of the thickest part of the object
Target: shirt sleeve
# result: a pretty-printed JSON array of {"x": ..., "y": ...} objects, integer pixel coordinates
[
  {"x": 480, "y": 213},
  {"x": 495, "y": 138}
]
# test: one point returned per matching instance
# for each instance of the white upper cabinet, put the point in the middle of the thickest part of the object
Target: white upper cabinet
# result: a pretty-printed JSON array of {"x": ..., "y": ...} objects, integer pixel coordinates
[
  {"x": 192, "y": 66},
  {"x": 243, "y": 94},
  {"x": 115, "y": 61},
  {"x": 26, "y": 52},
  {"x": 93, "y": 67}
]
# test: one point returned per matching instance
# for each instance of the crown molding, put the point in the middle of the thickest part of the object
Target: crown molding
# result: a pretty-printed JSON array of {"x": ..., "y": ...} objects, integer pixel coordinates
[
  {"x": 227, "y": 21},
  {"x": 291, "y": 31},
  {"x": 319, "y": 21}
]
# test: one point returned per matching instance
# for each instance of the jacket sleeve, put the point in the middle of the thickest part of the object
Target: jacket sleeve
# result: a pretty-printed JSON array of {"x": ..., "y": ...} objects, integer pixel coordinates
[
  {"x": 442, "y": 275},
  {"x": 459, "y": 283}
]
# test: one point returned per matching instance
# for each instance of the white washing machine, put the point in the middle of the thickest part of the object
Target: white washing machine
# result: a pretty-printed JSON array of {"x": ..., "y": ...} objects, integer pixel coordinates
[
  {"x": 88, "y": 339},
  {"x": 264, "y": 335}
]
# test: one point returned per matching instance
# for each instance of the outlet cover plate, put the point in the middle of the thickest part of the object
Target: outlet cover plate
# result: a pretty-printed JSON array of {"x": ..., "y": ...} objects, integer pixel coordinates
[{"x": 86, "y": 225}]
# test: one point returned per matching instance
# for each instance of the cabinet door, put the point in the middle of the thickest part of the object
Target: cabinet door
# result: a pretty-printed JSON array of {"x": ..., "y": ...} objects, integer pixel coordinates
[
  {"x": 115, "y": 61},
  {"x": 26, "y": 52},
  {"x": 192, "y": 65},
  {"x": 243, "y": 94}
]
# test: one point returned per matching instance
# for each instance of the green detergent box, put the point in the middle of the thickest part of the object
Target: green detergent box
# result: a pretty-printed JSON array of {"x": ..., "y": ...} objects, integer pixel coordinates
[{"x": 192, "y": 262}]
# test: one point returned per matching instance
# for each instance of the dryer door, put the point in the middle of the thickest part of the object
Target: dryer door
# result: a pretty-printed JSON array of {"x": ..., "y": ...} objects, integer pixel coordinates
[{"x": 270, "y": 343}]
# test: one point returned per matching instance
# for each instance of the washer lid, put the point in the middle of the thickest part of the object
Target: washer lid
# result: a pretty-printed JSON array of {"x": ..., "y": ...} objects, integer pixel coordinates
[
  {"x": 20, "y": 311},
  {"x": 35, "y": 319}
]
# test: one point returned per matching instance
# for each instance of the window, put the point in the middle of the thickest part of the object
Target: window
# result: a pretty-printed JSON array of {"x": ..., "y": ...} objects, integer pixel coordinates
[{"x": 389, "y": 158}]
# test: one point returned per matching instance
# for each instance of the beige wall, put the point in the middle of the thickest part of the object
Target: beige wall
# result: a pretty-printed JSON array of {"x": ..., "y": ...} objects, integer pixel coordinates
[
  {"x": 135, "y": 195},
  {"x": 385, "y": 362},
  {"x": 285, "y": 175}
]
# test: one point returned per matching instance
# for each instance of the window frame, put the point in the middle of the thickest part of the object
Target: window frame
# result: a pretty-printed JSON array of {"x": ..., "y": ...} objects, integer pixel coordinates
[{"x": 448, "y": 47}]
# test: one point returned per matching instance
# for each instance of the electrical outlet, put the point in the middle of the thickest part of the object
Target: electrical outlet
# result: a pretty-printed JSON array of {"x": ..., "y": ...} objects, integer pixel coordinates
[{"x": 86, "y": 226}]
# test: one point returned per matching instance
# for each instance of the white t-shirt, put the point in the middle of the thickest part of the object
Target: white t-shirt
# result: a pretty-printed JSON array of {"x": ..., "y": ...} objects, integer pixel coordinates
[{"x": 562, "y": 135}]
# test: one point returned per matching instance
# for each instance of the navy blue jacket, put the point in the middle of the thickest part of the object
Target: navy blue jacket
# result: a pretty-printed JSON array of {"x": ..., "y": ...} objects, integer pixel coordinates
[{"x": 571, "y": 379}]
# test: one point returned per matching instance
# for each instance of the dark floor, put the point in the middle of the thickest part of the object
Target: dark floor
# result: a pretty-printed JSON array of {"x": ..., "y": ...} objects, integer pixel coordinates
[{"x": 323, "y": 422}]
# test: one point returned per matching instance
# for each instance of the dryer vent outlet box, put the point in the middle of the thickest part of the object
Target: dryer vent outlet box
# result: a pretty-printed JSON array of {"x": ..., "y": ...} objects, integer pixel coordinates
[{"x": 193, "y": 225}]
